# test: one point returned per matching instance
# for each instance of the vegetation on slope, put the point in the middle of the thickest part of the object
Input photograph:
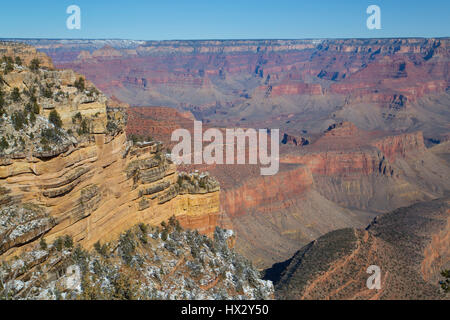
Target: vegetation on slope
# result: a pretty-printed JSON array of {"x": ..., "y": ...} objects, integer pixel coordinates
[{"x": 164, "y": 262}]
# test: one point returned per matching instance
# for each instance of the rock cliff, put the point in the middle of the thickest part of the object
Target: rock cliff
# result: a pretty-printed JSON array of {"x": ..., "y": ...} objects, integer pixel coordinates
[{"x": 67, "y": 167}]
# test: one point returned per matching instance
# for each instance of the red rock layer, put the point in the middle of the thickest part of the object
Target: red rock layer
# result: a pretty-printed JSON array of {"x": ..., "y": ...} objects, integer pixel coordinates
[
  {"x": 401, "y": 145},
  {"x": 266, "y": 194},
  {"x": 371, "y": 70},
  {"x": 157, "y": 122}
]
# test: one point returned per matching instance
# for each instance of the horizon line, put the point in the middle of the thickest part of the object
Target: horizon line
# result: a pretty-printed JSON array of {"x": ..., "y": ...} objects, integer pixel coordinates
[{"x": 231, "y": 39}]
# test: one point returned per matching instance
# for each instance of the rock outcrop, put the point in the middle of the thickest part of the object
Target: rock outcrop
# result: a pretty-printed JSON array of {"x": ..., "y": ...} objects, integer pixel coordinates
[
  {"x": 25, "y": 52},
  {"x": 67, "y": 167}
]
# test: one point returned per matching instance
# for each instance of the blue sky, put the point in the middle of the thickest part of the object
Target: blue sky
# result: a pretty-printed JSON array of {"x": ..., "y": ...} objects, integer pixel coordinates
[{"x": 225, "y": 19}]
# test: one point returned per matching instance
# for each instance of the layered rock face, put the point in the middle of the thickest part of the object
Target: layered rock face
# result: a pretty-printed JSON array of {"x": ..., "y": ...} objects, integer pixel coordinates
[
  {"x": 271, "y": 218},
  {"x": 340, "y": 179},
  {"x": 67, "y": 167},
  {"x": 25, "y": 52},
  {"x": 400, "y": 83},
  {"x": 157, "y": 122},
  {"x": 372, "y": 171}
]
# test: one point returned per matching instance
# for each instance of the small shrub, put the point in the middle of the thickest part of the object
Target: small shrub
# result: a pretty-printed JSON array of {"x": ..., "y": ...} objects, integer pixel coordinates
[
  {"x": 80, "y": 84},
  {"x": 80, "y": 257},
  {"x": 15, "y": 95},
  {"x": 2, "y": 99},
  {"x": 68, "y": 242},
  {"x": 164, "y": 235},
  {"x": 43, "y": 244},
  {"x": 158, "y": 156},
  {"x": 19, "y": 120},
  {"x": 111, "y": 127},
  {"x": 445, "y": 284},
  {"x": 36, "y": 108},
  {"x": 8, "y": 68},
  {"x": 35, "y": 65},
  {"x": 101, "y": 249},
  {"x": 143, "y": 227},
  {"x": 58, "y": 244},
  {"x": 178, "y": 227},
  {"x": 55, "y": 118},
  {"x": 51, "y": 134},
  {"x": 77, "y": 118},
  {"x": 4, "y": 144},
  {"x": 127, "y": 247},
  {"x": 32, "y": 107},
  {"x": 32, "y": 118},
  {"x": 84, "y": 127},
  {"x": 47, "y": 92},
  {"x": 180, "y": 181},
  {"x": 124, "y": 289},
  {"x": 18, "y": 61},
  {"x": 133, "y": 138},
  {"x": 9, "y": 64},
  {"x": 7, "y": 59}
]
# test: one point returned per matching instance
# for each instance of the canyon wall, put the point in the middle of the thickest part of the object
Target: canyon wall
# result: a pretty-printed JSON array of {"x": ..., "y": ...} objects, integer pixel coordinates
[
  {"x": 375, "y": 83},
  {"x": 342, "y": 177}
]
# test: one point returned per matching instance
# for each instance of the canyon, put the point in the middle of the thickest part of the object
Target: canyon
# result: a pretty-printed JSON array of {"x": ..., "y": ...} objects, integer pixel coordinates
[
  {"x": 364, "y": 128},
  {"x": 293, "y": 85}
]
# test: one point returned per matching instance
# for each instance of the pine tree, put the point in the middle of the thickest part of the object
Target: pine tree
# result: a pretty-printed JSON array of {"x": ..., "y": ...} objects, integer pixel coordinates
[{"x": 55, "y": 118}]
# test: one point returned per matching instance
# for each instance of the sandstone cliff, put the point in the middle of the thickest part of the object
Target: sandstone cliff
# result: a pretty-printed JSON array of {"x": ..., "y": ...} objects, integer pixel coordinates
[{"x": 67, "y": 167}]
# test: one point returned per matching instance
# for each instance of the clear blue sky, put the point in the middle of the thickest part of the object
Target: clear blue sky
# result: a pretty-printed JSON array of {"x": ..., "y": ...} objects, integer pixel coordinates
[{"x": 225, "y": 19}]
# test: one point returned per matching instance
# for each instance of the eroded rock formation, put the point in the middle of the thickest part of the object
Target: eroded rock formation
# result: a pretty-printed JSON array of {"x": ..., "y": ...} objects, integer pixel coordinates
[
  {"x": 374, "y": 83},
  {"x": 67, "y": 167}
]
